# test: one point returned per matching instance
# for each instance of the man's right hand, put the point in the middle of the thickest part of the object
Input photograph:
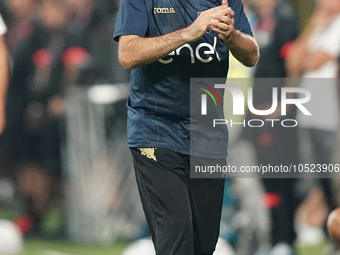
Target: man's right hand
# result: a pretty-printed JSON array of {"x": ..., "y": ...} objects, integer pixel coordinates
[{"x": 197, "y": 29}]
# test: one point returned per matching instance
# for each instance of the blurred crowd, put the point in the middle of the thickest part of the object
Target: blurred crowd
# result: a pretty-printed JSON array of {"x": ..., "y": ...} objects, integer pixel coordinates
[
  {"x": 309, "y": 59},
  {"x": 56, "y": 44},
  {"x": 53, "y": 45}
]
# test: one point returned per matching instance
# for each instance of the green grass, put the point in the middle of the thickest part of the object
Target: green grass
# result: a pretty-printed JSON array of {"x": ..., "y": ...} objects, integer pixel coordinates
[
  {"x": 8, "y": 214},
  {"x": 52, "y": 224},
  {"x": 66, "y": 248},
  {"x": 318, "y": 249}
]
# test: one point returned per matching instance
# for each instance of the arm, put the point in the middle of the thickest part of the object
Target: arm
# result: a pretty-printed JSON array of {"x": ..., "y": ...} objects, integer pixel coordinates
[
  {"x": 298, "y": 61},
  {"x": 315, "y": 61},
  {"x": 4, "y": 80},
  {"x": 134, "y": 51},
  {"x": 242, "y": 46}
]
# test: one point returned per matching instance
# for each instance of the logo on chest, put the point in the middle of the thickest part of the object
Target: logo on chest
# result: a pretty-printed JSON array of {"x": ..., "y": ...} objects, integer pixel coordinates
[
  {"x": 204, "y": 52},
  {"x": 163, "y": 10}
]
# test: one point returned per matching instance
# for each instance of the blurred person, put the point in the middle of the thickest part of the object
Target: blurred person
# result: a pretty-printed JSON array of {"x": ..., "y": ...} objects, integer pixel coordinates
[
  {"x": 40, "y": 78},
  {"x": 314, "y": 57},
  {"x": 333, "y": 227},
  {"x": 91, "y": 22},
  {"x": 275, "y": 27},
  {"x": 310, "y": 55},
  {"x": 21, "y": 22},
  {"x": 6, "y": 174},
  {"x": 4, "y": 74},
  {"x": 183, "y": 214},
  {"x": 19, "y": 16}
]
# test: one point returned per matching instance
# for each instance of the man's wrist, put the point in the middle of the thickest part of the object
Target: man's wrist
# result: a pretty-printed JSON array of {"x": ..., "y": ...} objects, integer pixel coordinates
[
  {"x": 229, "y": 38},
  {"x": 186, "y": 35}
]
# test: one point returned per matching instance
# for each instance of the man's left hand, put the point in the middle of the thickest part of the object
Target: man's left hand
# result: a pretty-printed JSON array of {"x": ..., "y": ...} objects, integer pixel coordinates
[{"x": 224, "y": 23}]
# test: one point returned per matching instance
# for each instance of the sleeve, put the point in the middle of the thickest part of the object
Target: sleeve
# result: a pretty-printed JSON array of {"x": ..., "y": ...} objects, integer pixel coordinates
[
  {"x": 241, "y": 20},
  {"x": 132, "y": 19},
  {"x": 3, "y": 28},
  {"x": 331, "y": 39}
]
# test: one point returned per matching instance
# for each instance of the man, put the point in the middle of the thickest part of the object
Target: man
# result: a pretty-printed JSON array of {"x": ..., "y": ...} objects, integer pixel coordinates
[
  {"x": 4, "y": 74},
  {"x": 314, "y": 59},
  {"x": 276, "y": 27},
  {"x": 165, "y": 43},
  {"x": 36, "y": 105}
]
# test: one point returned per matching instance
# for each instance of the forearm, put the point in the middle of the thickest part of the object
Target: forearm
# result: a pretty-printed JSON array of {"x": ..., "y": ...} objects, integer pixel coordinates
[
  {"x": 135, "y": 51},
  {"x": 296, "y": 61},
  {"x": 316, "y": 60},
  {"x": 4, "y": 73},
  {"x": 302, "y": 60},
  {"x": 243, "y": 47}
]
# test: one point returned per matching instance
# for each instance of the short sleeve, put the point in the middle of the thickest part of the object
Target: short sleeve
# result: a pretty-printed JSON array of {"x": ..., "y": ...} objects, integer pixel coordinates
[
  {"x": 3, "y": 28},
  {"x": 331, "y": 38},
  {"x": 132, "y": 19},
  {"x": 240, "y": 18}
]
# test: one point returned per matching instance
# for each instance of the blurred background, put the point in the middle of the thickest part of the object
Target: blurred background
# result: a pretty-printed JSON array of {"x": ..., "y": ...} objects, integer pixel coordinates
[{"x": 66, "y": 176}]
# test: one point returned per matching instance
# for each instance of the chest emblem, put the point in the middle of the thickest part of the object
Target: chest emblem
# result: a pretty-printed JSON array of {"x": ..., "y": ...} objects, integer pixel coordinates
[{"x": 164, "y": 10}]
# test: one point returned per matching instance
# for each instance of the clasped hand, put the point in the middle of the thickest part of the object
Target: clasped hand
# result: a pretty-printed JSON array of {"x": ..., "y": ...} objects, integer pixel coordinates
[{"x": 220, "y": 19}]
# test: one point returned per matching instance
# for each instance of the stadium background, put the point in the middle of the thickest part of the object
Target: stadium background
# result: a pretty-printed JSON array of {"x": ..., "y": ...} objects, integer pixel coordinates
[{"x": 87, "y": 203}]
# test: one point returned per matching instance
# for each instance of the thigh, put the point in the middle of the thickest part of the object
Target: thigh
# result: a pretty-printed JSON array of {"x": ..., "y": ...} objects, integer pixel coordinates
[
  {"x": 163, "y": 180},
  {"x": 206, "y": 197}
]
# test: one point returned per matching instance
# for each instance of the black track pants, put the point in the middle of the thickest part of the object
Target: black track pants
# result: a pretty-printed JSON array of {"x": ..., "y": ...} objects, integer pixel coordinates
[{"x": 183, "y": 214}]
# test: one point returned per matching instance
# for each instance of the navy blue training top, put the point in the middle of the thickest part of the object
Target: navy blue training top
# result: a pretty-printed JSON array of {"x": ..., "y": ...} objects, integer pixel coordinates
[{"x": 159, "y": 97}]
